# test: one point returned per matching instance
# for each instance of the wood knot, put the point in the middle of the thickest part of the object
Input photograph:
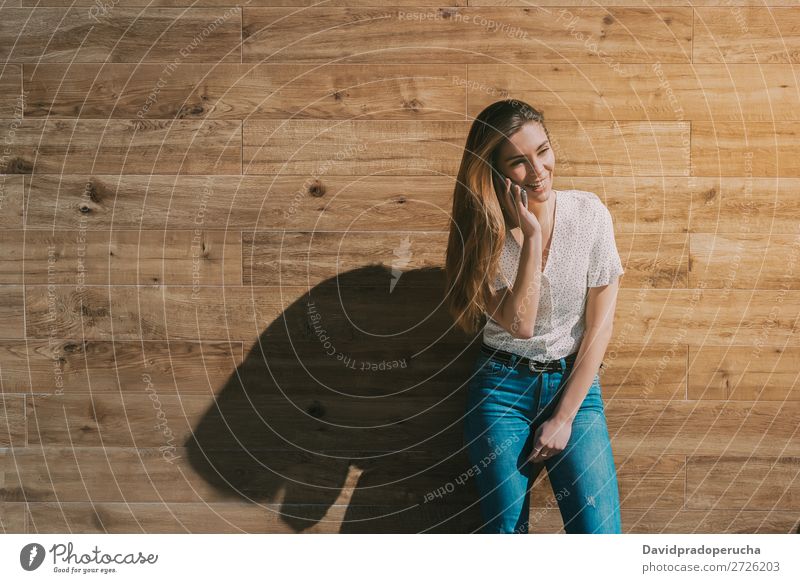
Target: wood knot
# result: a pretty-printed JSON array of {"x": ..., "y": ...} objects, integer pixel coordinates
[
  {"x": 19, "y": 165},
  {"x": 316, "y": 409},
  {"x": 413, "y": 105},
  {"x": 316, "y": 189},
  {"x": 188, "y": 110}
]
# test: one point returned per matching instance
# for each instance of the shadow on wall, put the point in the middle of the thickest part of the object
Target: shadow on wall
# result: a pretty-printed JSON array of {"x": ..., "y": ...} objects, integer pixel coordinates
[{"x": 354, "y": 396}]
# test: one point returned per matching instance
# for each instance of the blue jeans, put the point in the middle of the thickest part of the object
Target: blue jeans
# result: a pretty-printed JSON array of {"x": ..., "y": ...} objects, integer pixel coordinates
[{"x": 502, "y": 402}]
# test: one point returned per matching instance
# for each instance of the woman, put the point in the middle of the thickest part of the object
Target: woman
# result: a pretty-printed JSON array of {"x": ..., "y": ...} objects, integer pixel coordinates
[{"x": 543, "y": 266}]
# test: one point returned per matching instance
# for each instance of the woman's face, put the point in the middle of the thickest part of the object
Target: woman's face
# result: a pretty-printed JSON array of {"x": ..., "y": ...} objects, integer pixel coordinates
[{"x": 528, "y": 160}]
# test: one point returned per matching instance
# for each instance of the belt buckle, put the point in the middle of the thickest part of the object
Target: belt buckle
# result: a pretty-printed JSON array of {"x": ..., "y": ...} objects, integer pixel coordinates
[{"x": 533, "y": 367}]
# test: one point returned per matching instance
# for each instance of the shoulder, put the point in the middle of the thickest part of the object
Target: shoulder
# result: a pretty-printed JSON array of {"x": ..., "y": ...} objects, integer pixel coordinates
[{"x": 586, "y": 204}]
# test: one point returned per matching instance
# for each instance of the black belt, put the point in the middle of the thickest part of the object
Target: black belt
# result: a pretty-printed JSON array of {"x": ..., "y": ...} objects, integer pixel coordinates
[{"x": 512, "y": 360}]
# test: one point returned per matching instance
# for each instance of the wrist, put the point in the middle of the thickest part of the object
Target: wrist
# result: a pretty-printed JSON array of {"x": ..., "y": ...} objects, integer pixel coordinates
[
  {"x": 536, "y": 236},
  {"x": 563, "y": 417}
]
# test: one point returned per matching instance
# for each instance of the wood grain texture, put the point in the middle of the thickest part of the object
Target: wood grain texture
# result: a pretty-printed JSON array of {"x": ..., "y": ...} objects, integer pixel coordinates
[
  {"x": 82, "y": 517},
  {"x": 224, "y": 227},
  {"x": 658, "y": 91},
  {"x": 245, "y": 91},
  {"x": 750, "y": 483},
  {"x": 51, "y": 474},
  {"x": 11, "y": 102},
  {"x": 407, "y": 147},
  {"x": 121, "y": 35},
  {"x": 197, "y": 257},
  {"x": 12, "y": 421},
  {"x": 754, "y": 34},
  {"x": 465, "y": 35},
  {"x": 124, "y": 146},
  {"x": 744, "y": 373},
  {"x": 763, "y": 149},
  {"x": 57, "y": 365}
]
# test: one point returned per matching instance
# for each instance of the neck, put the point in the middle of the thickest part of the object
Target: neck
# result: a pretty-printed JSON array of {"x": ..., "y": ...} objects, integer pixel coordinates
[{"x": 543, "y": 210}]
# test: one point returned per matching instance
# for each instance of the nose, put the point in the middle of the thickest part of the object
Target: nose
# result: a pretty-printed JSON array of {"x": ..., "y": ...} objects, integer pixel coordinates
[{"x": 539, "y": 171}]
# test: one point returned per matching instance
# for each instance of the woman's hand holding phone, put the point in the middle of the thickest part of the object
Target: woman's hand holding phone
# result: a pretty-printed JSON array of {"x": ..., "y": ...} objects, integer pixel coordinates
[{"x": 515, "y": 207}]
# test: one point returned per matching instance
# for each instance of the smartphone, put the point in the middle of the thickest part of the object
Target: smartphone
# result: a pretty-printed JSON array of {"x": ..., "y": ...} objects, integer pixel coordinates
[{"x": 500, "y": 186}]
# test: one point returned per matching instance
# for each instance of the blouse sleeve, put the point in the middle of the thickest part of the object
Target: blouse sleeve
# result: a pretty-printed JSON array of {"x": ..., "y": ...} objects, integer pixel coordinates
[
  {"x": 605, "y": 263},
  {"x": 498, "y": 283},
  {"x": 504, "y": 268}
]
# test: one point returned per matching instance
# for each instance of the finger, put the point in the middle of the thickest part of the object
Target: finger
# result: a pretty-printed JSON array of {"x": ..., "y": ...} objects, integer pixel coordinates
[
  {"x": 538, "y": 456},
  {"x": 517, "y": 199}
]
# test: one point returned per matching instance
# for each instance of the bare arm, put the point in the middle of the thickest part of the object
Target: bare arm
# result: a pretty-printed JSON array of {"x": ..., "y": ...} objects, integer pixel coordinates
[
  {"x": 600, "y": 306},
  {"x": 515, "y": 308}
]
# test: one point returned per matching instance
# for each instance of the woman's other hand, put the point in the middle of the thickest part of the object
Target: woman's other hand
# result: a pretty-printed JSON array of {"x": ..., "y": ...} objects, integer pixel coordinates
[{"x": 550, "y": 438}]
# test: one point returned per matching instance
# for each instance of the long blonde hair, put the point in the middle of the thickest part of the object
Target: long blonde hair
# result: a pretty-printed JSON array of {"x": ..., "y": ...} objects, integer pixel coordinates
[{"x": 478, "y": 228}]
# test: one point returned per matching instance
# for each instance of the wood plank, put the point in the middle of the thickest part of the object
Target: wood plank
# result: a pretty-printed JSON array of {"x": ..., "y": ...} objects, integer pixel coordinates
[
  {"x": 12, "y": 310},
  {"x": 266, "y": 422},
  {"x": 243, "y": 313},
  {"x": 121, "y": 35},
  {"x": 703, "y": 427},
  {"x": 11, "y": 102},
  {"x": 753, "y": 34},
  {"x": 731, "y": 204},
  {"x": 730, "y": 148},
  {"x": 61, "y": 365},
  {"x": 745, "y": 261},
  {"x": 306, "y": 3},
  {"x": 651, "y": 481},
  {"x": 12, "y": 421},
  {"x": 704, "y": 522},
  {"x": 132, "y": 146},
  {"x": 246, "y": 91},
  {"x": 639, "y": 205},
  {"x": 744, "y": 373},
  {"x": 655, "y": 91},
  {"x": 407, "y": 147},
  {"x": 742, "y": 483},
  {"x": 642, "y": 371},
  {"x": 82, "y": 517},
  {"x": 694, "y": 3},
  {"x": 287, "y": 3},
  {"x": 12, "y": 195},
  {"x": 710, "y": 317},
  {"x": 91, "y": 257},
  {"x": 12, "y": 518},
  {"x": 297, "y": 258},
  {"x": 235, "y": 202},
  {"x": 277, "y": 34},
  {"x": 689, "y": 317},
  {"x": 660, "y": 261},
  {"x": 94, "y": 474}
]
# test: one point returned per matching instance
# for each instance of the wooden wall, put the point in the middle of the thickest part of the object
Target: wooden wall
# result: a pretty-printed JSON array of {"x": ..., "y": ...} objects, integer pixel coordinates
[{"x": 184, "y": 181}]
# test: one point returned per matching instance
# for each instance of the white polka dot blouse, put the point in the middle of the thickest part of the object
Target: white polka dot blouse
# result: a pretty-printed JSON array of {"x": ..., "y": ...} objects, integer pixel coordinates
[{"x": 583, "y": 254}]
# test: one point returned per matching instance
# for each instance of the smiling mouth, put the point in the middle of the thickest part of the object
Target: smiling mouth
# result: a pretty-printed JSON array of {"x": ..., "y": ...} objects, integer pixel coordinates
[{"x": 539, "y": 185}]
